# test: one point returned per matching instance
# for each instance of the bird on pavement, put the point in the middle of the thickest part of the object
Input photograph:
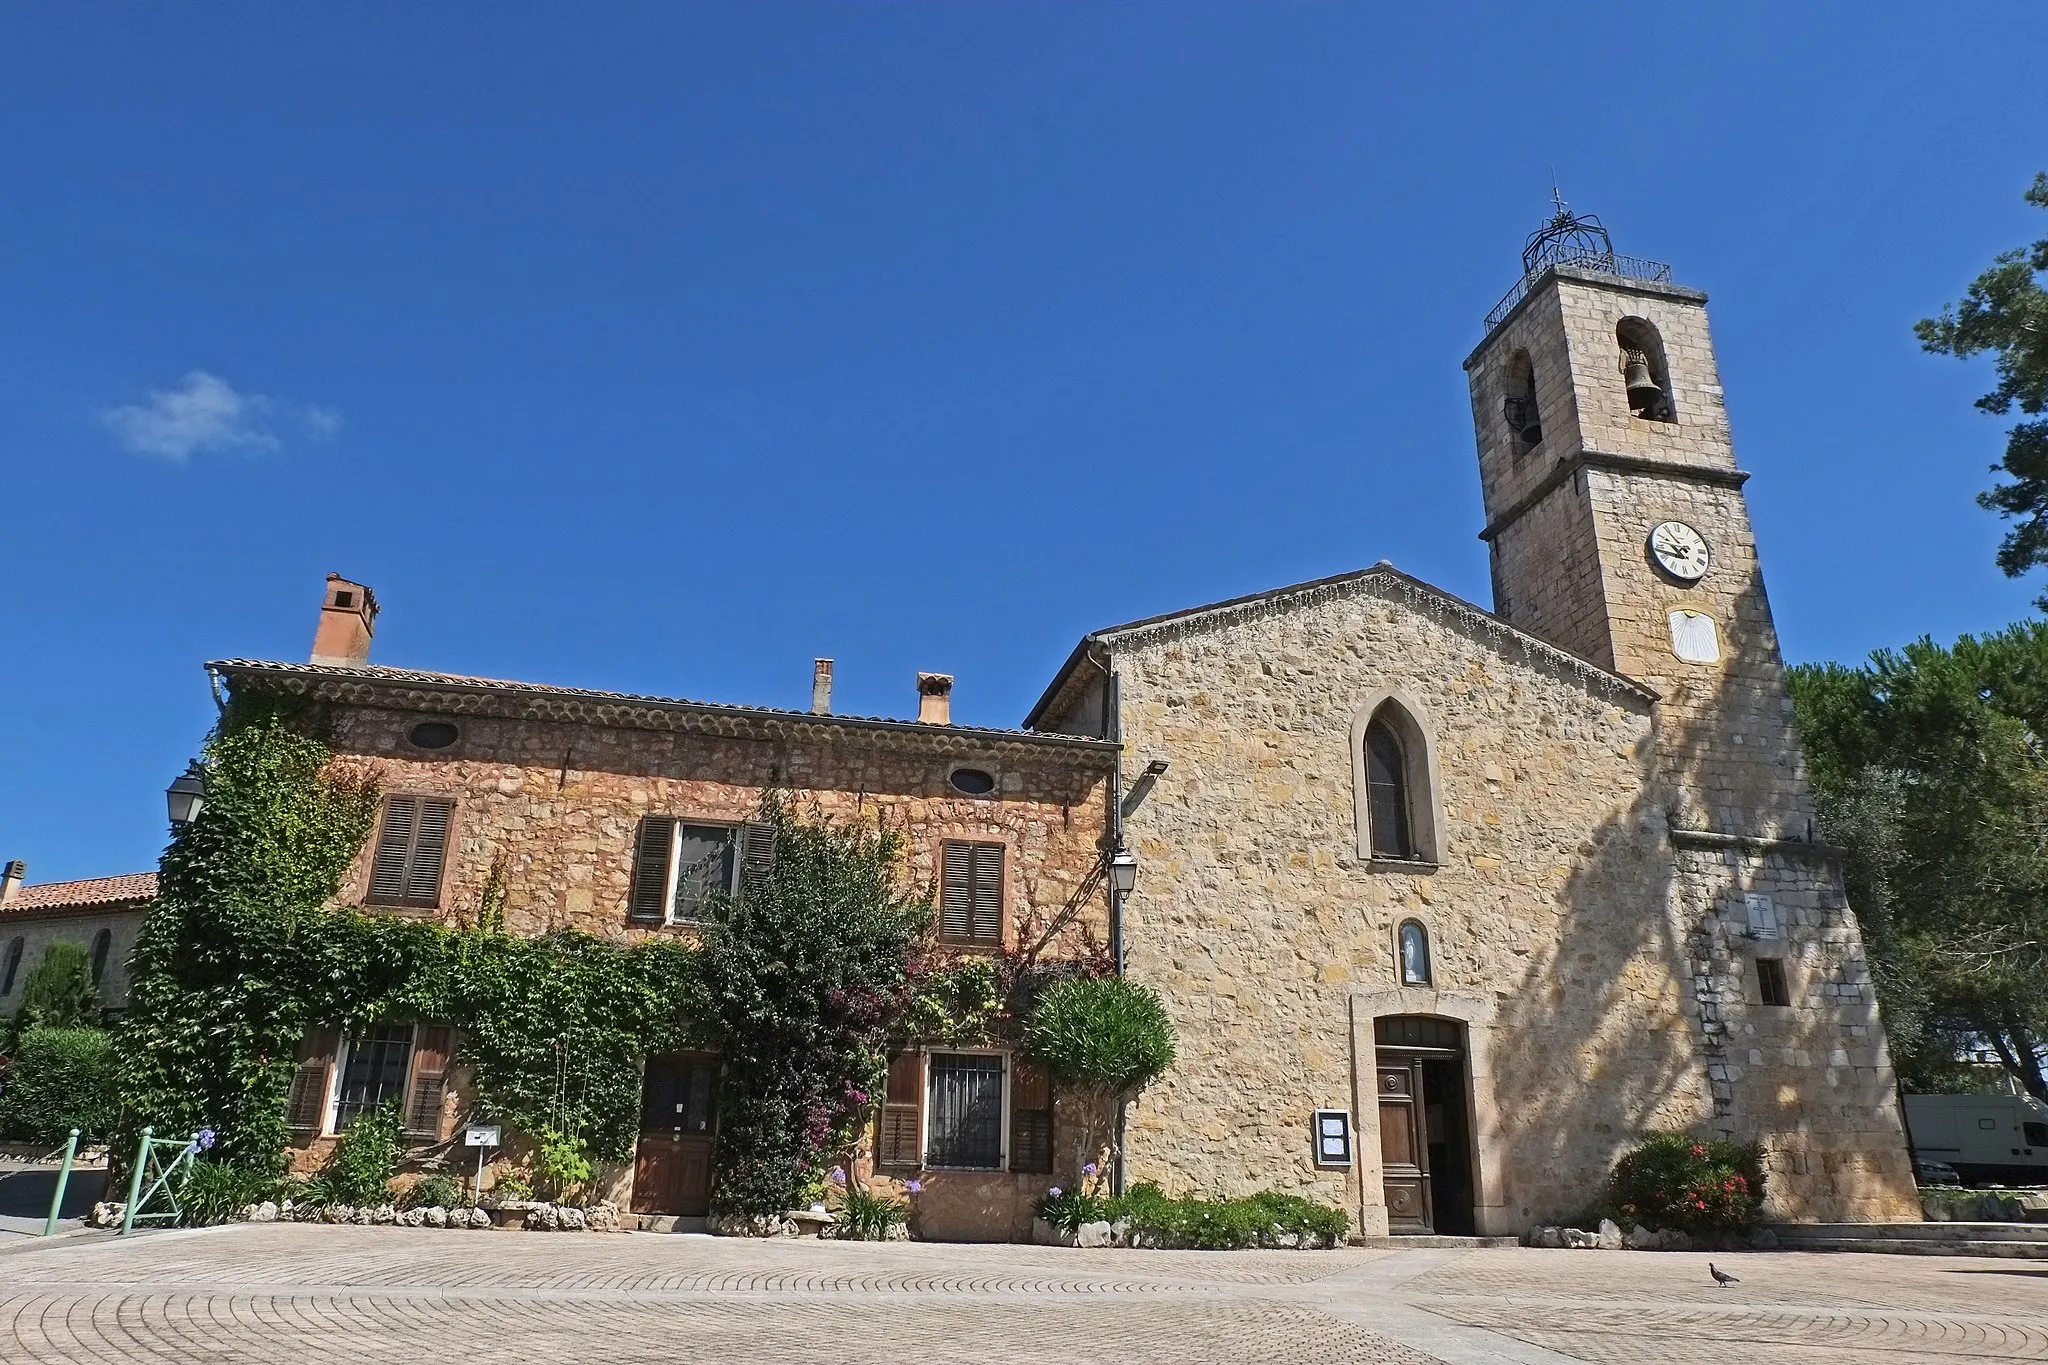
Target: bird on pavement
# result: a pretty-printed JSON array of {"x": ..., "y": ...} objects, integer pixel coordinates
[{"x": 1722, "y": 1277}]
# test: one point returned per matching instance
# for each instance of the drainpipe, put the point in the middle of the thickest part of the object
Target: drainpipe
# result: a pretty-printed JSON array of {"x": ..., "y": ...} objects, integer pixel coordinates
[{"x": 1112, "y": 729}]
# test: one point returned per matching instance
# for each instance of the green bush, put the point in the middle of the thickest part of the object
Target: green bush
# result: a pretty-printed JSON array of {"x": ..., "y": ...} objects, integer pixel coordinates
[
  {"x": 559, "y": 1165},
  {"x": 434, "y": 1191},
  {"x": 1672, "y": 1180},
  {"x": 870, "y": 1217},
  {"x": 215, "y": 1192},
  {"x": 59, "y": 1079},
  {"x": 1103, "y": 1033},
  {"x": 364, "y": 1160},
  {"x": 1266, "y": 1219}
]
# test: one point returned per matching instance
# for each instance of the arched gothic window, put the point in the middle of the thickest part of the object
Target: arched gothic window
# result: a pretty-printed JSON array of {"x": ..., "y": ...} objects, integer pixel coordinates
[
  {"x": 1415, "y": 965},
  {"x": 102, "y": 944},
  {"x": 12, "y": 966},
  {"x": 1386, "y": 776},
  {"x": 1393, "y": 768},
  {"x": 1518, "y": 404}
]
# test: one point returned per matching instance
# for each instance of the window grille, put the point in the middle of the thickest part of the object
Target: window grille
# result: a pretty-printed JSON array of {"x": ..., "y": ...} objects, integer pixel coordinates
[
  {"x": 966, "y": 1125},
  {"x": 377, "y": 1063}
]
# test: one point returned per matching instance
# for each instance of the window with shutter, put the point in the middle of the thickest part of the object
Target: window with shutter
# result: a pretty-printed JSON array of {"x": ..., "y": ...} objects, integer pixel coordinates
[
  {"x": 412, "y": 847},
  {"x": 1030, "y": 1117},
  {"x": 306, "y": 1110},
  {"x": 971, "y": 893},
  {"x": 902, "y": 1121},
  {"x": 432, "y": 1046},
  {"x": 703, "y": 861}
]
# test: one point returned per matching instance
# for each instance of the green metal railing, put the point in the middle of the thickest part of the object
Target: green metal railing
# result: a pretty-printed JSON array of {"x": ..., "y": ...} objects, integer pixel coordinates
[{"x": 166, "y": 1180}]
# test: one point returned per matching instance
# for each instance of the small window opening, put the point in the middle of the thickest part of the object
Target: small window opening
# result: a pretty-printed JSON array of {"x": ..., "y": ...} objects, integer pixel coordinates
[
  {"x": 1415, "y": 964},
  {"x": 1645, "y": 377},
  {"x": 344, "y": 599},
  {"x": 433, "y": 734},
  {"x": 1518, "y": 404},
  {"x": 973, "y": 781},
  {"x": 1770, "y": 981}
]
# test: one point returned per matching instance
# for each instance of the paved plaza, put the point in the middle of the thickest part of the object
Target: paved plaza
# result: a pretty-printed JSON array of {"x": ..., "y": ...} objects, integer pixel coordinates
[{"x": 290, "y": 1293}]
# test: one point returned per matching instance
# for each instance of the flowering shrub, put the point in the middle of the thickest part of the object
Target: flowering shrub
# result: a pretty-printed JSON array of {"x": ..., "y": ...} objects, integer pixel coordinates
[{"x": 1671, "y": 1180}]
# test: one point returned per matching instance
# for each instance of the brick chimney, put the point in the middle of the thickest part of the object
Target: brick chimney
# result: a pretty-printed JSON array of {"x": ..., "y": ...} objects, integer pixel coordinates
[
  {"x": 11, "y": 879},
  {"x": 348, "y": 618},
  {"x": 935, "y": 699},
  {"x": 821, "y": 687}
]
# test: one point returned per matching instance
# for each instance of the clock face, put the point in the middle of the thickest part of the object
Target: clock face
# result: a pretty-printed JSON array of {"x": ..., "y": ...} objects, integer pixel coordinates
[{"x": 1679, "y": 551}]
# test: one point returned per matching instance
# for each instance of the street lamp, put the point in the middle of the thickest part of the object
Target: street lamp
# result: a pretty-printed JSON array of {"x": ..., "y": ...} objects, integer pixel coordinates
[
  {"x": 186, "y": 795},
  {"x": 1123, "y": 871}
]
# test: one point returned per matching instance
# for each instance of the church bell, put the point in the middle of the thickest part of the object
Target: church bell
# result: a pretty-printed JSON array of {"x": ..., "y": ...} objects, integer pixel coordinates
[{"x": 1643, "y": 393}]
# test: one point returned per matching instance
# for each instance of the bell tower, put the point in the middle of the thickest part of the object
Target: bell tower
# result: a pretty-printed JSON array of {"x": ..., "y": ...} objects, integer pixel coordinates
[{"x": 1616, "y": 521}]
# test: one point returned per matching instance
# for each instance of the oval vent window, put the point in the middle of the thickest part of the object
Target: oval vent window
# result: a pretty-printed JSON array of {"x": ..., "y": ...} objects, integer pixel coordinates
[
  {"x": 433, "y": 734},
  {"x": 973, "y": 781}
]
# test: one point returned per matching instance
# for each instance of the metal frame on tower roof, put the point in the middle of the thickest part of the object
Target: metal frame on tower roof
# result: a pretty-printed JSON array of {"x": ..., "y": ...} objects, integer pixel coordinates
[{"x": 1573, "y": 239}]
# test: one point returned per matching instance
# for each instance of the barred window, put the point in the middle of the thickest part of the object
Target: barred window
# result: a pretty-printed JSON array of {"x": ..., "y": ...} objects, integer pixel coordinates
[
  {"x": 375, "y": 1073},
  {"x": 966, "y": 1111}
]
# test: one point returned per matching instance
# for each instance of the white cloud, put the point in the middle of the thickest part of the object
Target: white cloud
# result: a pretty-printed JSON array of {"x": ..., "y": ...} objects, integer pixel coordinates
[{"x": 204, "y": 412}]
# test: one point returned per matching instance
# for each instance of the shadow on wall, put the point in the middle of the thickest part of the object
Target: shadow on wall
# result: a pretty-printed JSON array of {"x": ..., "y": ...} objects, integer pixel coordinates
[{"x": 1651, "y": 982}]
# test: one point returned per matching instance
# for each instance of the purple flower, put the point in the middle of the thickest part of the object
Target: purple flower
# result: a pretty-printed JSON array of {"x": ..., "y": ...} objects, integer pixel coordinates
[
  {"x": 837, "y": 1175},
  {"x": 204, "y": 1138},
  {"x": 1090, "y": 1169},
  {"x": 1053, "y": 1193},
  {"x": 914, "y": 1186}
]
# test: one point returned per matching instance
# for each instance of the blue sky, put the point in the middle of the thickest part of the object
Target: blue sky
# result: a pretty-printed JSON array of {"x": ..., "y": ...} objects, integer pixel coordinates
[{"x": 662, "y": 348}]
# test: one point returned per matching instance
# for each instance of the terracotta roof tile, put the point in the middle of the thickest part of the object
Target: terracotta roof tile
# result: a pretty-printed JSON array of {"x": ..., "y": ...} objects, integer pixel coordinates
[{"x": 81, "y": 895}]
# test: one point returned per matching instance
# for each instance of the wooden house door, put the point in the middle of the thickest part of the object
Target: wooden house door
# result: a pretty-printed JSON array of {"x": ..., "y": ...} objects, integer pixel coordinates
[
  {"x": 1404, "y": 1155},
  {"x": 678, "y": 1127}
]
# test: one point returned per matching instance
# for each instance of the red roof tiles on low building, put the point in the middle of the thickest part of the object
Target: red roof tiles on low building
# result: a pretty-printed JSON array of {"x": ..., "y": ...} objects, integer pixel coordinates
[{"x": 90, "y": 893}]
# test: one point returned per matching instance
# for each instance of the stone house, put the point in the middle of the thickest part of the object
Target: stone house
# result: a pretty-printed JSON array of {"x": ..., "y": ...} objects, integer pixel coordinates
[
  {"x": 618, "y": 815},
  {"x": 100, "y": 914},
  {"x": 1451, "y": 906}
]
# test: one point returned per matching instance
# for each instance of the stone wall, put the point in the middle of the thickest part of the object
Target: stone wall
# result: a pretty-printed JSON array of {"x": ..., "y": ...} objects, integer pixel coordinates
[{"x": 38, "y": 931}]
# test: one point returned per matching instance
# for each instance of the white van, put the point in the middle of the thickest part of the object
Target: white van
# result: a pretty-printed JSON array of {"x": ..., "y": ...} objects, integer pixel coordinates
[{"x": 2000, "y": 1138}]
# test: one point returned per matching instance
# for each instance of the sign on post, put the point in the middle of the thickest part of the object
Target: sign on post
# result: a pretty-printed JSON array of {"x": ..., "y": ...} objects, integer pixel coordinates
[{"x": 480, "y": 1135}]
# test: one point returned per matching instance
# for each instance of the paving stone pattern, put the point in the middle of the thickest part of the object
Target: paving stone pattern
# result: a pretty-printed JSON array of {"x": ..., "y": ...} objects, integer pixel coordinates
[{"x": 288, "y": 1293}]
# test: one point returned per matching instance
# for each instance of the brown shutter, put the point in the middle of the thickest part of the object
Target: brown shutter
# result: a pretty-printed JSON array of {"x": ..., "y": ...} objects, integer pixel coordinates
[
  {"x": 307, "y": 1107},
  {"x": 650, "y": 870},
  {"x": 902, "y": 1121},
  {"x": 429, "y": 852},
  {"x": 1030, "y": 1117},
  {"x": 988, "y": 893},
  {"x": 956, "y": 891},
  {"x": 432, "y": 1044},
  {"x": 394, "y": 846},
  {"x": 757, "y": 854}
]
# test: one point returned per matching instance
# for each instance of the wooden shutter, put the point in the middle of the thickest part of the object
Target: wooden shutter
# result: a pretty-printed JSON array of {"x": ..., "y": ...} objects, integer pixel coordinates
[
  {"x": 394, "y": 846},
  {"x": 306, "y": 1110},
  {"x": 650, "y": 870},
  {"x": 432, "y": 1045},
  {"x": 902, "y": 1123},
  {"x": 1030, "y": 1117},
  {"x": 412, "y": 848},
  {"x": 971, "y": 893},
  {"x": 757, "y": 854}
]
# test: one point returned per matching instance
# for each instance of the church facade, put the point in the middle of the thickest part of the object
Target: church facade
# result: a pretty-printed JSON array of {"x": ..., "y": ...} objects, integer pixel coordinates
[{"x": 1451, "y": 906}]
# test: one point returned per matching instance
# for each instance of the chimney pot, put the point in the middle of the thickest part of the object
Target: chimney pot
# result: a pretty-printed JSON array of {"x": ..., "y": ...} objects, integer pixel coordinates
[
  {"x": 935, "y": 699},
  {"x": 348, "y": 618},
  {"x": 821, "y": 687},
  {"x": 11, "y": 878}
]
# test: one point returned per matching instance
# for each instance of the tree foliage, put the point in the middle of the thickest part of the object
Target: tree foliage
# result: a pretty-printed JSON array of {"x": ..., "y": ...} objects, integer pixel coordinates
[
  {"x": 805, "y": 972},
  {"x": 1930, "y": 768},
  {"x": 57, "y": 1080},
  {"x": 59, "y": 993},
  {"x": 2005, "y": 312}
]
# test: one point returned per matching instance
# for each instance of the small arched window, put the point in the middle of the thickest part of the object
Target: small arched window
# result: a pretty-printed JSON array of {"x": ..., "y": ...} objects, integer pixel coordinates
[
  {"x": 1386, "y": 777},
  {"x": 1415, "y": 965},
  {"x": 1646, "y": 378},
  {"x": 1518, "y": 404},
  {"x": 12, "y": 966},
  {"x": 102, "y": 944}
]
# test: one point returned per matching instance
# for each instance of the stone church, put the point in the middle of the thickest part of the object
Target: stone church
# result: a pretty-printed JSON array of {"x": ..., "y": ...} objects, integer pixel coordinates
[{"x": 1502, "y": 890}]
